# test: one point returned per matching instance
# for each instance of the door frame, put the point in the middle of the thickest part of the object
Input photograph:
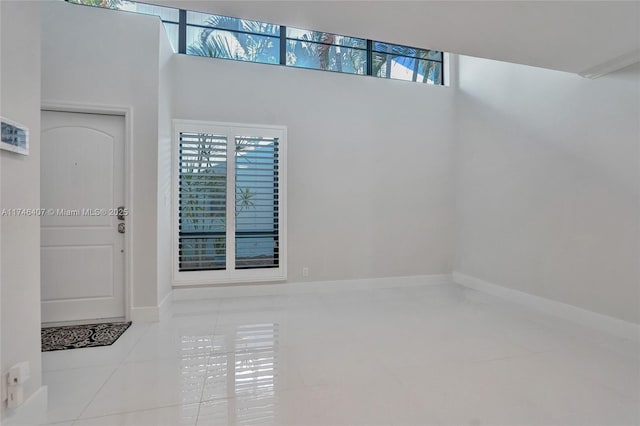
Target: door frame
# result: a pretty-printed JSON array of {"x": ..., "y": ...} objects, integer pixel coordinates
[{"x": 127, "y": 113}]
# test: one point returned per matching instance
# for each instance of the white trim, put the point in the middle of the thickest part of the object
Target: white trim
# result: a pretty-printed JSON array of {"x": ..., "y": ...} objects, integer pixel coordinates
[
  {"x": 230, "y": 276},
  {"x": 612, "y": 65},
  {"x": 245, "y": 276},
  {"x": 218, "y": 124},
  {"x": 210, "y": 292},
  {"x": 450, "y": 75},
  {"x": 127, "y": 113},
  {"x": 33, "y": 411},
  {"x": 152, "y": 313},
  {"x": 145, "y": 314},
  {"x": 165, "y": 304},
  {"x": 571, "y": 313},
  {"x": 231, "y": 202}
]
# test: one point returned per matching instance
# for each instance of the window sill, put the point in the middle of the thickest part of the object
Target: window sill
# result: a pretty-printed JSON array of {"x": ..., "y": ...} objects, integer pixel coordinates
[{"x": 187, "y": 279}]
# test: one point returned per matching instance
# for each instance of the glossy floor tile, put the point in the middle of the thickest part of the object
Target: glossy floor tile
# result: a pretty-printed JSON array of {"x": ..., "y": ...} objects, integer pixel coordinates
[
  {"x": 176, "y": 415},
  {"x": 70, "y": 391},
  {"x": 413, "y": 355}
]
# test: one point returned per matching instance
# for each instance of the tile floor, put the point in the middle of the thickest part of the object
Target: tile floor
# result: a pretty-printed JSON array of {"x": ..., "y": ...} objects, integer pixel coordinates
[{"x": 423, "y": 355}]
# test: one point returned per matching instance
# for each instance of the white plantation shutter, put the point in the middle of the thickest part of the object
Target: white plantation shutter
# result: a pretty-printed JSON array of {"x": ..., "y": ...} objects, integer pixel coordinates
[
  {"x": 230, "y": 204},
  {"x": 256, "y": 165},
  {"x": 202, "y": 194}
]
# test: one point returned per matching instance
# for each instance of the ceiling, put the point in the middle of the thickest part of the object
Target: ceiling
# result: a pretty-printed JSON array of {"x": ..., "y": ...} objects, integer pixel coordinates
[{"x": 590, "y": 38}]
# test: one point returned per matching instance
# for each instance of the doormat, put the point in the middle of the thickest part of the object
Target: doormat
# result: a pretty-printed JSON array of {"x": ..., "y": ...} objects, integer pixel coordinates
[{"x": 82, "y": 336}]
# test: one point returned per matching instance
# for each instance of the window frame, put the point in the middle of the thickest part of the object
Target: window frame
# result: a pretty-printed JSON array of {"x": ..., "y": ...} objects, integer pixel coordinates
[{"x": 230, "y": 274}]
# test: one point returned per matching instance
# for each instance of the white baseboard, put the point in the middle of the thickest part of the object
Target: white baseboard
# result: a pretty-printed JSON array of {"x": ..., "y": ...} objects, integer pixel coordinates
[
  {"x": 571, "y": 313},
  {"x": 145, "y": 314},
  {"x": 32, "y": 412},
  {"x": 165, "y": 304},
  {"x": 238, "y": 290},
  {"x": 151, "y": 313}
]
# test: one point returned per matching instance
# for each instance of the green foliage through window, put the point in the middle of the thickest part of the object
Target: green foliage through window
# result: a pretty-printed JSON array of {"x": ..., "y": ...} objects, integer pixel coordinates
[
  {"x": 232, "y": 38},
  {"x": 110, "y": 4},
  {"x": 326, "y": 51}
]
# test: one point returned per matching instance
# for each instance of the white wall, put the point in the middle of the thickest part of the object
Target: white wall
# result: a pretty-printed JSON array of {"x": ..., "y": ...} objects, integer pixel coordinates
[
  {"x": 165, "y": 115},
  {"x": 20, "y": 188},
  {"x": 99, "y": 56},
  {"x": 548, "y": 184},
  {"x": 369, "y": 162}
]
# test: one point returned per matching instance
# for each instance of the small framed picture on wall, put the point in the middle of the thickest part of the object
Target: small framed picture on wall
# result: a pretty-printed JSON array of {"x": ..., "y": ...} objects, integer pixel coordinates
[{"x": 15, "y": 137}]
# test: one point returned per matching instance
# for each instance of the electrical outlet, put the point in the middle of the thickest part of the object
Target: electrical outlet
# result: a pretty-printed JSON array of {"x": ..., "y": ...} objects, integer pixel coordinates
[
  {"x": 305, "y": 272},
  {"x": 15, "y": 396}
]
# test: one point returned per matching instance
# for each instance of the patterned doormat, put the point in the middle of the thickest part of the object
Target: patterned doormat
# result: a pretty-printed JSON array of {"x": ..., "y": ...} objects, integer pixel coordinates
[{"x": 82, "y": 336}]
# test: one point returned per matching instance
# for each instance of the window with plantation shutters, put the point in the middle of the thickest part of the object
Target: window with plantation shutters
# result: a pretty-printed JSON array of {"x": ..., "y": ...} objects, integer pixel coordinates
[{"x": 229, "y": 203}]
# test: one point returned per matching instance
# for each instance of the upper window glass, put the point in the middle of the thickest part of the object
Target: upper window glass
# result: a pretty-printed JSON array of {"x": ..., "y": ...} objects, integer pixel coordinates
[
  {"x": 232, "y": 24},
  {"x": 326, "y": 51},
  {"x": 406, "y": 63},
  {"x": 232, "y": 38},
  {"x": 165, "y": 13},
  {"x": 320, "y": 37}
]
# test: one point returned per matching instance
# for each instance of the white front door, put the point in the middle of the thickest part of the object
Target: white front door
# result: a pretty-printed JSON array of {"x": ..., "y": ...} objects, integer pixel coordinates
[{"x": 82, "y": 185}]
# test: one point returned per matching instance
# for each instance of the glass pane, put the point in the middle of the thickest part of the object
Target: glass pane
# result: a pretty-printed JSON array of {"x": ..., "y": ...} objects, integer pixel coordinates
[
  {"x": 395, "y": 49},
  {"x": 257, "y": 199},
  {"x": 405, "y": 68},
  {"x": 329, "y": 38},
  {"x": 202, "y": 201},
  {"x": 165, "y": 13},
  {"x": 109, "y": 4},
  {"x": 231, "y": 45},
  {"x": 172, "y": 33},
  {"x": 233, "y": 24},
  {"x": 434, "y": 54},
  {"x": 379, "y": 46},
  {"x": 430, "y": 72},
  {"x": 324, "y": 57},
  {"x": 202, "y": 254}
]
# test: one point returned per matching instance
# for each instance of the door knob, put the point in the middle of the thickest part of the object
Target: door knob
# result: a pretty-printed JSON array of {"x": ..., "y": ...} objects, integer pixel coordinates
[{"x": 121, "y": 228}]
